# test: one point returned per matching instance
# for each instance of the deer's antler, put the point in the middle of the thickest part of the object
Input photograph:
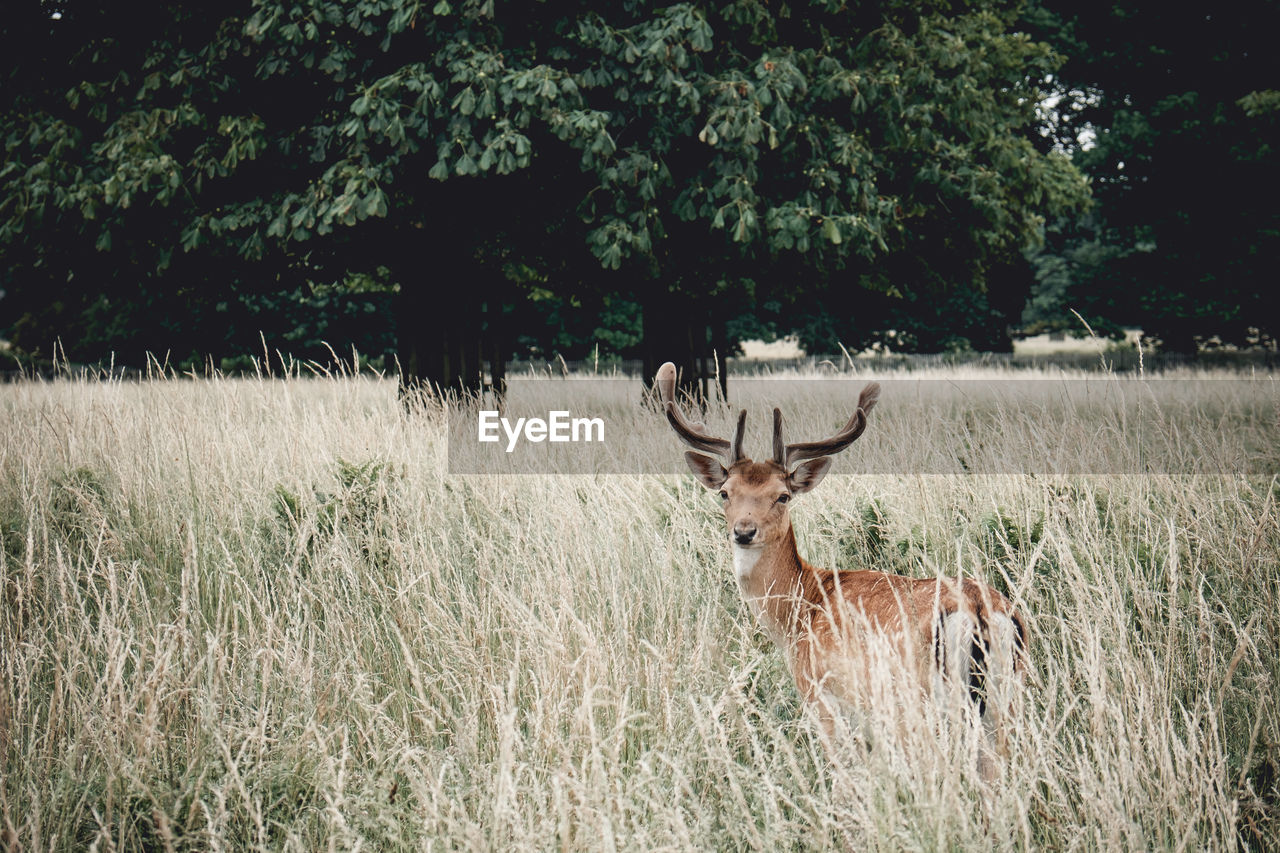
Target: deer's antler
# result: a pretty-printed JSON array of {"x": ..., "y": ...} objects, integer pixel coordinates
[
  {"x": 787, "y": 455},
  {"x": 692, "y": 433}
]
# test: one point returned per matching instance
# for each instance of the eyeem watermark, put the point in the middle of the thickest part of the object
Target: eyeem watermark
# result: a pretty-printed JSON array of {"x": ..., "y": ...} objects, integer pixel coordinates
[
  {"x": 558, "y": 426},
  {"x": 1050, "y": 427}
]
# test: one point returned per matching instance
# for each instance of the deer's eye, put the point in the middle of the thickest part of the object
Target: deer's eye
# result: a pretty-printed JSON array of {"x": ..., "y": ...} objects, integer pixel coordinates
[
  {"x": 724, "y": 496},
  {"x": 783, "y": 498}
]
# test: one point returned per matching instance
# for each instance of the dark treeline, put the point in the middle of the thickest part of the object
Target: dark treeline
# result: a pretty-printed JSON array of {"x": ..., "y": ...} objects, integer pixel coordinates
[{"x": 461, "y": 183}]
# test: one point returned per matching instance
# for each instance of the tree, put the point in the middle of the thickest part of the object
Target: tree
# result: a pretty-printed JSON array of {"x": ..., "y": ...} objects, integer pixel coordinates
[
  {"x": 698, "y": 159},
  {"x": 1179, "y": 135}
]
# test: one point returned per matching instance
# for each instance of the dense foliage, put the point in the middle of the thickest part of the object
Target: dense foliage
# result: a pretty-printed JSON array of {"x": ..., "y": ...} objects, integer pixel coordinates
[
  {"x": 166, "y": 164},
  {"x": 1178, "y": 114}
]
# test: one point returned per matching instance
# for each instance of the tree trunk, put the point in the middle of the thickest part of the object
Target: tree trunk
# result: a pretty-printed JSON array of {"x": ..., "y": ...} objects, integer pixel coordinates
[
  {"x": 1177, "y": 338},
  {"x": 438, "y": 338},
  {"x": 497, "y": 332},
  {"x": 448, "y": 332},
  {"x": 677, "y": 330},
  {"x": 720, "y": 350}
]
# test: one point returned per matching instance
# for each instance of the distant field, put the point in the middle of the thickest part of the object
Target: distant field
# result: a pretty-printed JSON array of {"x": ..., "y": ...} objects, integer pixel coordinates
[
  {"x": 260, "y": 614},
  {"x": 1034, "y": 345}
]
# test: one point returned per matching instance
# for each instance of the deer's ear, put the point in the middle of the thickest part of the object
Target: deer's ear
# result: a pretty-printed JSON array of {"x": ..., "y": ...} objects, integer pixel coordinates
[
  {"x": 709, "y": 472},
  {"x": 808, "y": 474}
]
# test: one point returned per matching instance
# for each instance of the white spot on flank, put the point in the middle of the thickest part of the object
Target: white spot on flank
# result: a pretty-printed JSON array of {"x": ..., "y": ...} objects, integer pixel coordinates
[{"x": 744, "y": 560}]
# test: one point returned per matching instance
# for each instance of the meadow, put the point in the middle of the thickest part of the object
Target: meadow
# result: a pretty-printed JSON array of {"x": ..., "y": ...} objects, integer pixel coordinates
[{"x": 261, "y": 613}]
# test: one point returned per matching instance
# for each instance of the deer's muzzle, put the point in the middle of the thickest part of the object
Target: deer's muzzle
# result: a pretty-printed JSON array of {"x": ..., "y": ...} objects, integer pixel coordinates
[{"x": 744, "y": 532}]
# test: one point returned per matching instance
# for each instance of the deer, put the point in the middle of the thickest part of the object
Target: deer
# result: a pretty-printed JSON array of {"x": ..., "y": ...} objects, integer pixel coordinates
[{"x": 937, "y": 636}]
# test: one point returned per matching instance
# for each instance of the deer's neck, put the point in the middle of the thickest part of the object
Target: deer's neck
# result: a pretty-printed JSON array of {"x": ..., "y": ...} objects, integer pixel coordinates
[{"x": 771, "y": 580}]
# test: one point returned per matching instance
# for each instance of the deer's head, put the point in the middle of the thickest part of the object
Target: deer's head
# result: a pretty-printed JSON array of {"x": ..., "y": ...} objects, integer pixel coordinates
[{"x": 756, "y": 494}]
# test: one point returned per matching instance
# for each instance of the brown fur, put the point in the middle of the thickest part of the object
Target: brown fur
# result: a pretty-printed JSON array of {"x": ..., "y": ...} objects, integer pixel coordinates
[
  {"x": 818, "y": 615},
  {"x": 835, "y": 625}
]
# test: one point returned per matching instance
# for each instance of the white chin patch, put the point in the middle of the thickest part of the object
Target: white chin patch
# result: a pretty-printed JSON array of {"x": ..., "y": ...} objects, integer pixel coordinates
[{"x": 744, "y": 560}]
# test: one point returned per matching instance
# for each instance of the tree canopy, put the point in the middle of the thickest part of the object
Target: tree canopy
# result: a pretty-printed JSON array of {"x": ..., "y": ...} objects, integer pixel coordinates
[
  {"x": 1172, "y": 111},
  {"x": 168, "y": 164}
]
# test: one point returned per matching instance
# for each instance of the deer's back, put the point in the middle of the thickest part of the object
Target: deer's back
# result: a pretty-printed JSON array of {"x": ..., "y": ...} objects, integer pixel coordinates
[{"x": 855, "y": 621}]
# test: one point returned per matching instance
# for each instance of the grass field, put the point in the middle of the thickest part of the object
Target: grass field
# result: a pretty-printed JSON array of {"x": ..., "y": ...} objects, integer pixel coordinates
[{"x": 258, "y": 613}]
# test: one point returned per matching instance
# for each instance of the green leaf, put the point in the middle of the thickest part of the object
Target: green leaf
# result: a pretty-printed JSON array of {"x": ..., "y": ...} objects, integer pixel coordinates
[
  {"x": 466, "y": 102},
  {"x": 831, "y": 231}
]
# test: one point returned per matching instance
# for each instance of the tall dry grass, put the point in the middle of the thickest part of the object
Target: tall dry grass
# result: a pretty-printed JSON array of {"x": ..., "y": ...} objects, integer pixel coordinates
[{"x": 259, "y": 613}]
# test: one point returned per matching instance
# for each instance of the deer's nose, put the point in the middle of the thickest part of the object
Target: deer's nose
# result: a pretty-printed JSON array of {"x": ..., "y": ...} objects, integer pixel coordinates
[{"x": 744, "y": 532}]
